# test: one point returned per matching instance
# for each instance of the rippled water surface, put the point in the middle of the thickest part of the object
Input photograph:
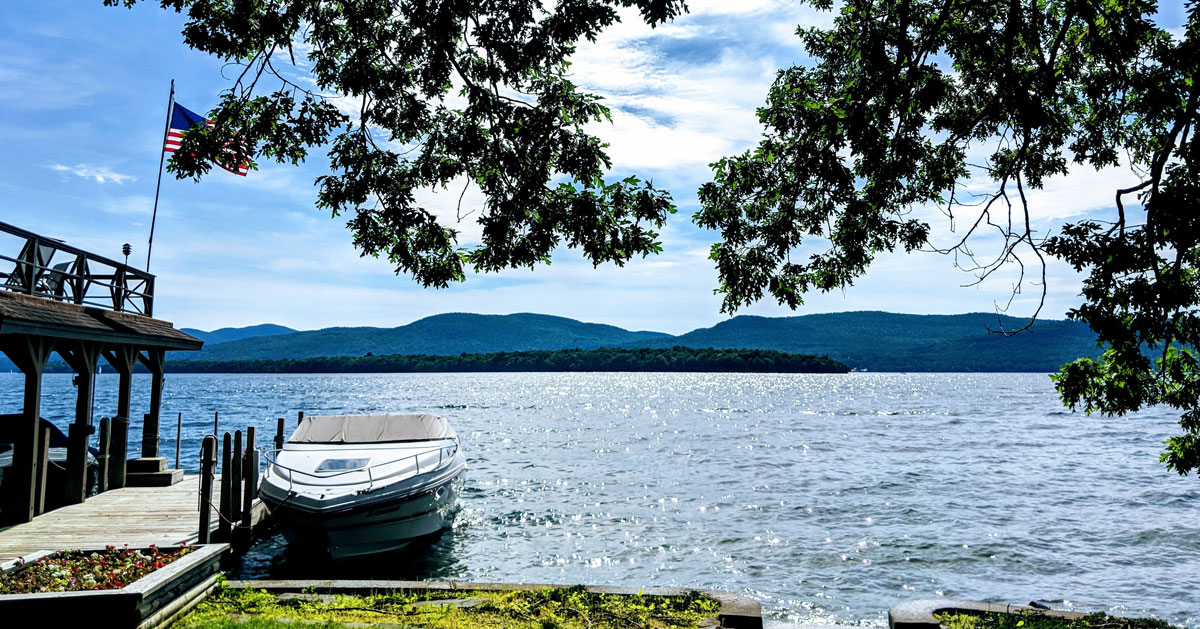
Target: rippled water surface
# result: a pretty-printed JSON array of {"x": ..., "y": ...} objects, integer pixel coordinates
[{"x": 826, "y": 497}]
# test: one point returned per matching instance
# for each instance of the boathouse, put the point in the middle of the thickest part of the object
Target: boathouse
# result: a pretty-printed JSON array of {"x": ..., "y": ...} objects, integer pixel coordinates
[{"x": 55, "y": 298}]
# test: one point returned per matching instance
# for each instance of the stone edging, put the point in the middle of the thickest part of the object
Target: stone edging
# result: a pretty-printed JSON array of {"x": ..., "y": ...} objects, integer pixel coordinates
[
  {"x": 737, "y": 611},
  {"x": 919, "y": 614}
]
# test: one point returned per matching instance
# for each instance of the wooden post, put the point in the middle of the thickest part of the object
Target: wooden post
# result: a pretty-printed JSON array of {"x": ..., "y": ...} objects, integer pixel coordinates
[
  {"x": 123, "y": 358},
  {"x": 252, "y": 462},
  {"x": 216, "y": 422},
  {"x": 43, "y": 458},
  {"x": 235, "y": 467},
  {"x": 178, "y": 437},
  {"x": 278, "y": 433},
  {"x": 250, "y": 473},
  {"x": 118, "y": 448},
  {"x": 251, "y": 438},
  {"x": 153, "y": 360},
  {"x": 226, "y": 480},
  {"x": 208, "y": 461},
  {"x": 29, "y": 353},
  {"x": 82, "y": 357},
  {"x": 103, "y": 460},
  {"x": 299, "y": 417}
]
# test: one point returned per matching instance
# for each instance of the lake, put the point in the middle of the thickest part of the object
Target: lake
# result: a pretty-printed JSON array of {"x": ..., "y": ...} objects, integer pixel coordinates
[{"x": 828, "y": 498}]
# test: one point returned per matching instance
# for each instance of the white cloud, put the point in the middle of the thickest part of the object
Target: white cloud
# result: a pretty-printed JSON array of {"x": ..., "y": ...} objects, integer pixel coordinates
[{"x": 98, "y": 174}]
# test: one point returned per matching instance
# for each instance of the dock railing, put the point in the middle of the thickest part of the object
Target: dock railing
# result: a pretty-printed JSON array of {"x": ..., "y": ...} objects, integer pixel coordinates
[{"x": 47, "y": 267}]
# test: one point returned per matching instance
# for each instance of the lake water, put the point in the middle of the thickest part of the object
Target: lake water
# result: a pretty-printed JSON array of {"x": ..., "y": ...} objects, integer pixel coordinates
[{"x": 828, "y": 498}]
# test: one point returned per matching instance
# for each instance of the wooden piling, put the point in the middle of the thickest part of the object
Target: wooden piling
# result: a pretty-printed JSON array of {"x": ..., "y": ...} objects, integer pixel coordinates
[
  {"x": 278, "y": 433},
  {"x": 103, "y": 460},
  {"x": 178, "y": 437},
  {"x": 250, "y": 485},
  {"x": 43, "y": 460},
  {"x": 226, "y": 489},
  {"x": 208, "y": 461},
  {"x": 299, "y": 417},
  {"x": 235, "y": 470},
  {"x": 216, "y": 421},
  {"x": 252, "y": 463}
]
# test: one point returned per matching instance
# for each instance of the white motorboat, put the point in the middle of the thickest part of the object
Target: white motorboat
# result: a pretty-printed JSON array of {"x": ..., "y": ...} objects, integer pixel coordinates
[{"x": 365, "y": 484}]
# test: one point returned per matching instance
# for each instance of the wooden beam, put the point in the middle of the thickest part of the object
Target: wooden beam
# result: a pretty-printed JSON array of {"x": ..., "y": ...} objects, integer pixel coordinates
[
  {"x": 82, "y": 356},
  {"x": 153, "y": 360},
  {"x": 29, "y": 354},
  {"x": 123, "y": 358}
]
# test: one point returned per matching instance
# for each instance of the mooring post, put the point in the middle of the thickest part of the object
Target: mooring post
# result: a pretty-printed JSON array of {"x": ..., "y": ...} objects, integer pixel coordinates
[
  {"x": 226, "y": 480},
  {"x": 103, "y": 459},
  {"x": 178, "y": 437},
  {"x": 235, "y": 470},
  {"x": 216, "y": 421},
  {"x": 250, "y": 473},
  {"x": 299, "y": 417},
  {"x": 208, "y": 461},
  {"x": 278, "y": 434},
  {"x": 43, "y": 459}
]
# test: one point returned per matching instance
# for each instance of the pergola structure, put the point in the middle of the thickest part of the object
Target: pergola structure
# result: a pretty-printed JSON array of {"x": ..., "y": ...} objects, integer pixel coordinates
[{"x": 85, "y": 307}]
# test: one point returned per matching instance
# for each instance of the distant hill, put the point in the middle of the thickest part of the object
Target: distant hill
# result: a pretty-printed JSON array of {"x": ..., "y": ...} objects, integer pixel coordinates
[
  {"x": 225, "y": 335},
  {"x": 870, "y": 340},
  {"x": 885, "y": 341},
  {"x": 443, "y": 334}
]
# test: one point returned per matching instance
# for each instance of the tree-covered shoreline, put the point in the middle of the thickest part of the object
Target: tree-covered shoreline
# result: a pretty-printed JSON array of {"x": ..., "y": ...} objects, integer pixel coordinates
[{"x": 675, "y": 359}]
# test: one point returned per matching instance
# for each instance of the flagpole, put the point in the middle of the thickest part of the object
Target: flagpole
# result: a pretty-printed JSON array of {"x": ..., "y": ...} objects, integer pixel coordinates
[{"x": 162, "y": 155}]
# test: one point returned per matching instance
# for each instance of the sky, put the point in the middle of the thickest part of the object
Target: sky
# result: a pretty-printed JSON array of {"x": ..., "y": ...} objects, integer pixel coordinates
[{"x": 83, "y": 94}]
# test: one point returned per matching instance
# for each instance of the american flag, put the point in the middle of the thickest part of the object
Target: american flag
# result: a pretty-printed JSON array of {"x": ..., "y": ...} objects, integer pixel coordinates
[{"x": 183, "y": 119}]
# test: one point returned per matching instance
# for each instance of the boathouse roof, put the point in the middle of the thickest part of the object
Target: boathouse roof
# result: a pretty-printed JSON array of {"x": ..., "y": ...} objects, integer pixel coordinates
[{"x": 28, "y": 314}]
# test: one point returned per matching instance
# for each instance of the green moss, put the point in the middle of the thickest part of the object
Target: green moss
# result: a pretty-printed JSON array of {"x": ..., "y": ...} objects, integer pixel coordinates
[
  {"x": 547, "y": 608},
  {"x": 1035, "y": 620}
]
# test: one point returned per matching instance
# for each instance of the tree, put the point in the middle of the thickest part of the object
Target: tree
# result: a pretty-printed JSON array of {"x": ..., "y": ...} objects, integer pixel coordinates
[
  {"x": 908, "y": 103},
  {"x": 440, "y": 93},
  {"x": 907, "y": 100}
]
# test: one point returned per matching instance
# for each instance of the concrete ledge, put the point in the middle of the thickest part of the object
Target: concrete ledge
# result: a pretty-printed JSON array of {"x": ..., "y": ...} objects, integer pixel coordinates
[
  {"x": 919, "y": 614},
  {"x": 736, "y": 612}
]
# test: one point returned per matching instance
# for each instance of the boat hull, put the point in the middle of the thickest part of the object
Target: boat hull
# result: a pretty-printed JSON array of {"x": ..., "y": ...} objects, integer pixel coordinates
[{"x": 372, "y": 529}]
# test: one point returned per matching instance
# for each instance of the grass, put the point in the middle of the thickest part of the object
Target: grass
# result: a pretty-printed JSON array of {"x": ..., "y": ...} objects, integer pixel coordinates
[
  {"x": 1035, "y": 620},
  {"x": 547, "y": 608}
]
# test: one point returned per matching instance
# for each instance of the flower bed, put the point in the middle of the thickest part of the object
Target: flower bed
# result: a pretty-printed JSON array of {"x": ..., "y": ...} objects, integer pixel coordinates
[
  {"x": 138, "y": 593},
  {"x": 75, "y": 570}
]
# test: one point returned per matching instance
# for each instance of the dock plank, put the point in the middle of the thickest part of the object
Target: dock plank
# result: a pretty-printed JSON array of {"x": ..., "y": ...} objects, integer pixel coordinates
[{"x": 137, "y": 516}]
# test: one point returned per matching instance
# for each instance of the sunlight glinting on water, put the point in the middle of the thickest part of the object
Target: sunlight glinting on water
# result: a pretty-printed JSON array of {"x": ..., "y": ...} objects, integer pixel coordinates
[{"x": 826, "y": 497}]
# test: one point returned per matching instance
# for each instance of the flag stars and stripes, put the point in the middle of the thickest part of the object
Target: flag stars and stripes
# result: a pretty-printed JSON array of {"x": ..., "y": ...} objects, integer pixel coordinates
[{"x": 182, "y": 120}]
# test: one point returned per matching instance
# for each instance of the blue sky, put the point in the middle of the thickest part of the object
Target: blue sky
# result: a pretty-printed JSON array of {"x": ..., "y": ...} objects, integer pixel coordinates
[{"x": 83, "y": 92}]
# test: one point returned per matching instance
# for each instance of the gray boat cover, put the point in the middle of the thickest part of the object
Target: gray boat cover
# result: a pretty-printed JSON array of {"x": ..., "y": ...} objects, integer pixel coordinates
[{"x": 371, "y": 429}]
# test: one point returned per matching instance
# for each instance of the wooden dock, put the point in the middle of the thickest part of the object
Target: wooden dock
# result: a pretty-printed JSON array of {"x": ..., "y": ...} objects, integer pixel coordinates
[{"x": 138, "y": 516}]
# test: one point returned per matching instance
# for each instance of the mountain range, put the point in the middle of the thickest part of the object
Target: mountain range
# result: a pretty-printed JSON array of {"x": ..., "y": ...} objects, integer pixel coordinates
[{"x": 868, "y": 340}]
